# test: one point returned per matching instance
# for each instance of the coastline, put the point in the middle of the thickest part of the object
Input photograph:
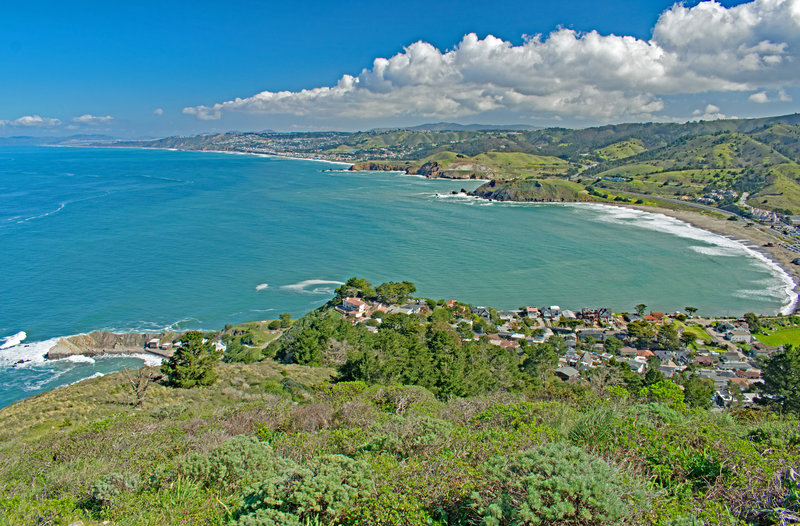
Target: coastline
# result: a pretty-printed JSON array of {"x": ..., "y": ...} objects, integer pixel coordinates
[{"x": 754, "y": 237}]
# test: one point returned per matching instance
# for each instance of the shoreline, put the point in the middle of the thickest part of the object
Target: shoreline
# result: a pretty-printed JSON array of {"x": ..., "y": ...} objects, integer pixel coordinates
[{"x": 754, "y": 237}]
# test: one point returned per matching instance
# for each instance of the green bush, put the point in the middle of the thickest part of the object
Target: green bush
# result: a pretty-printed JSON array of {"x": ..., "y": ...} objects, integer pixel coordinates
[
  {"x": 108, "y": 487},
  {"x": 240, "y": 461},
  {"x": 323, "y": 491},
  {"x": 555, "y": 484}
]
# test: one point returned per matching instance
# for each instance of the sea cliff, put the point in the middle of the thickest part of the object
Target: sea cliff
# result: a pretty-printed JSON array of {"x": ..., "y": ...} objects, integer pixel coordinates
[{"x": 103, "y": 342}]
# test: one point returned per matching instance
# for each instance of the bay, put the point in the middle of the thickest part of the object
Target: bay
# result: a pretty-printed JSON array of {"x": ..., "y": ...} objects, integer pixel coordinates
[{"x": 142, "y": 240}]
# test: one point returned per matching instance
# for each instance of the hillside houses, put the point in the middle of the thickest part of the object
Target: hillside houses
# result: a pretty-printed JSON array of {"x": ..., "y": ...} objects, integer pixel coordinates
[{"x": 591, "y": 338}]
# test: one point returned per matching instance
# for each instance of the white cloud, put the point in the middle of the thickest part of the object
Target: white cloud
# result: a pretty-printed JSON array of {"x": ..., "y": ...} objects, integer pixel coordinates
[
  {"x": 32, "y": 121},
  {"x": 760, "y": 97},
  {"x": 158, "y": 111},
  {"x": 710, "y": 113},
  {"x": 93, "y": 119},
  {"x": 783, "y": 96},
  {"x": 704, "y": 48}
]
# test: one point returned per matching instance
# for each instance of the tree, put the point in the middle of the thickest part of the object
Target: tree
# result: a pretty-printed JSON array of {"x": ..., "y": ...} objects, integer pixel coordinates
[
  {"x": 666, "y": 392},
  {"x": 753, "y": 322},
  {"x": 286, "y": 320},
  {"x": 612, "y": 345},
  {"x": 193, "y": 363},
  {"x": 393, "y": 293},
  {"x": 139, "y": 382},
  {"x": 355, "y": 287},
  {"x": 641, "y": 334},
  {"x": 668, "y": 338},
  {"x": 698, "y": 391},
  {"x": 690, "y": 310},
  {"x": 640, "y": 308},
  {"x": 782, "y": 378}
]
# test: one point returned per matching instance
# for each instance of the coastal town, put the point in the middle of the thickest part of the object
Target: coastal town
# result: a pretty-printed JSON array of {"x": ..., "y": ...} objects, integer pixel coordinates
[{"x": 722, "y": 350}]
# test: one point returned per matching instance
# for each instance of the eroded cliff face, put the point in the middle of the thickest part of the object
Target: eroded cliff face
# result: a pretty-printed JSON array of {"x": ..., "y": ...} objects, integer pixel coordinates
[
  {"x": 103, "y": 342},
  {"x": 431, "y": 170},
  {"x": 530, "y": 190}
]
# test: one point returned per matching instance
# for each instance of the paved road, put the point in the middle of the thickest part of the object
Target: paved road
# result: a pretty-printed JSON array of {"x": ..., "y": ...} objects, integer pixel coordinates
[{"x": 686, "y": 203}]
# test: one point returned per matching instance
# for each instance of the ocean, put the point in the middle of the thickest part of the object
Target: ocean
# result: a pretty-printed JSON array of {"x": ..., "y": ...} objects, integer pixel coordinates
[{"x": 145, "y": 240}]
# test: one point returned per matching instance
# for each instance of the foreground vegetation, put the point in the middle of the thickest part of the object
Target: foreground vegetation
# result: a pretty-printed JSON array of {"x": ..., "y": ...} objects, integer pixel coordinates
[
  {"x": 273, "y": 444},
  {"x": 403, "y": 425}
]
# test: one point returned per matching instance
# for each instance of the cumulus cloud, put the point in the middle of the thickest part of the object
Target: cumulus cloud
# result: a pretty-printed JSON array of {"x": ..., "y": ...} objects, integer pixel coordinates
[
  {"x": 760, "y": 97},
  {"x": 93, "y": 119},
  {"x": 710, "y": 113},
  {"x": 158, "y": 111},
  {"x": 703, "y": 48},
  {"x": 32, "y": 121}
]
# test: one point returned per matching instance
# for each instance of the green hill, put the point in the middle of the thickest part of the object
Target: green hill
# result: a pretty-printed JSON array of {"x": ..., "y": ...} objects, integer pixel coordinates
[{"x": 409, "y": 425}]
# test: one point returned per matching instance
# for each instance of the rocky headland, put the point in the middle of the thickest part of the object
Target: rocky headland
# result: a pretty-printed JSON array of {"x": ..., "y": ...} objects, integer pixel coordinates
[{"x": 100, "y": 343}]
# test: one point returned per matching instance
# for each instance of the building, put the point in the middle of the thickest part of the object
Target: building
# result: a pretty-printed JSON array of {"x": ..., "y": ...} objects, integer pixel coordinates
[{"x": 353, "y": 307}]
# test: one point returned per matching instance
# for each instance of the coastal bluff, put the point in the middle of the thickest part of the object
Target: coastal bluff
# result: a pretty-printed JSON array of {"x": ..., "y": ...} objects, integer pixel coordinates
[
  {"x": 100, "y": 343},
  {"x": 431, "y": 170}
]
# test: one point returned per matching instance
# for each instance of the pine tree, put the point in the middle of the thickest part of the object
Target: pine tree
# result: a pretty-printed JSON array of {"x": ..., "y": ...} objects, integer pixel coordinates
[{"x": 193, "y": 363}]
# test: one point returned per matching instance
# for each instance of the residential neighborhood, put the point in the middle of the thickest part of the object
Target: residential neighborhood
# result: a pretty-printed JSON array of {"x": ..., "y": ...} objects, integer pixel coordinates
[{"x": 722, "y": 350}]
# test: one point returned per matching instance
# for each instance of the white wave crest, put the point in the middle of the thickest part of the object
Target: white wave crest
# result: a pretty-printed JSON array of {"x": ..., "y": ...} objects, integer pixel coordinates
[
  {"x": 261, "y": 286},
  {"x": 310, "y": 286},
  {"x": 13, "y": 340},
  {"x": 79, "y": 358},
  {"x": 29, "y": 353},
  {"x": 718, "y": 251}
]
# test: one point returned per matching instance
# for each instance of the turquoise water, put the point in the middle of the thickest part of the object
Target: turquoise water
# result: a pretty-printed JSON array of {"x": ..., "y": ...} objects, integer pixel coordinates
[{"x": 140, "y": 240}]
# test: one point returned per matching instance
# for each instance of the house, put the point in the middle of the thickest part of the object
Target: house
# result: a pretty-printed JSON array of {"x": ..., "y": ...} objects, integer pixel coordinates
[
  {"x": 732, "y": 366},
  {"x": 732, "y": 356},
  {"x": 601, "y": 315},
  {"x": 668, "y": 370},
  {"x": 644, "y": 353},
  {"x": 750, "y": 374},
  {"x": 568, "y": 374},
  {"x": 153, "y": 343},
  {"x": 705, "y": 360},
  {"x": 483, "y": 312},
  {"x": 507, "y": 315},
  {"x": 596, "y": 334},
  {"x": 636, "y": 366},
  {"x": 532, "y": 312},
  {"x": 353, "y": 307},
  {"x": 587, "y": 360},
  {"x": 628, "y": 351},
  {"x": 572, "y": 357},
  {"x": 568, "y": 315},
  {"x": 739, "y": 336}
]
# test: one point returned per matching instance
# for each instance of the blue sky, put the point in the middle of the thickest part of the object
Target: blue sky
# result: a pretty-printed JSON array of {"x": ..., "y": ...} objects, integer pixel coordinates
[{"x": 105, "y": 67}]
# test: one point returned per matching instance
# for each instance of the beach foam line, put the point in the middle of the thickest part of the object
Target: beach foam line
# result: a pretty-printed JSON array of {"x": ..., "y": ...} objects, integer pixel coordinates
[
  {"x": 13, "y": 340},
  {"x": 30, "y": 353},
  {"x": 305, "y": 287}
]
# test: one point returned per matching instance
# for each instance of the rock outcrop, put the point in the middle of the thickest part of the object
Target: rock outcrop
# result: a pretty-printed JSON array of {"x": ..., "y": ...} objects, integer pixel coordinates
[{"x": 103, "y": 342}]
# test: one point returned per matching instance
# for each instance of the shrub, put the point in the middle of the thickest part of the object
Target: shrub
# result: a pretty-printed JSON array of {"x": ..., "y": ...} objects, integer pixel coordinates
[
  {"x": 111, "y": 485},
  {"x": 554, "y": 484},
  {"x": 389, "y": 509},
  {"x": 323, "y": 491},
  {"x": 239, "y": 461}
]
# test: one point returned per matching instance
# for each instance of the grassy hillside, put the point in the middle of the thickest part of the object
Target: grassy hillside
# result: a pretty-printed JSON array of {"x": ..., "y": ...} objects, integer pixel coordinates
[
  {"x": 758, "y": 156},
  {"x": 272, "y": 444}
]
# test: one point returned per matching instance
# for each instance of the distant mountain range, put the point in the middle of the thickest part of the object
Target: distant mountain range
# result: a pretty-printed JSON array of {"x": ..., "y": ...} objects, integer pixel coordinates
[
  {"x": 676, "y": 160},
  {"x": 72, "y": 140},
  {"x": 452, "y": 126}
]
